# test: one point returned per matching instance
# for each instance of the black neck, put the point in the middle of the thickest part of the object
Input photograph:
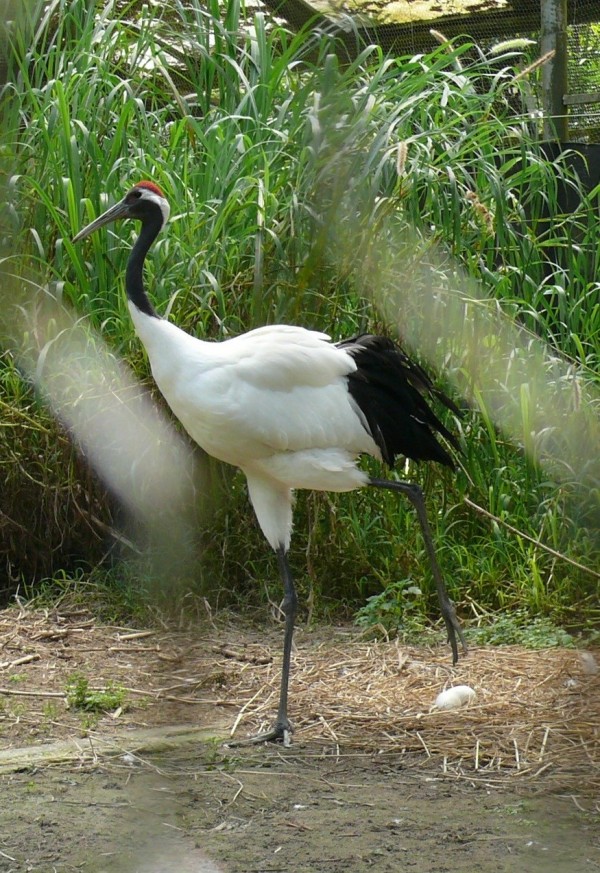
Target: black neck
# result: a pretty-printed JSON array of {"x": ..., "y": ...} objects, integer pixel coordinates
[{"x": 134, "y": 278}]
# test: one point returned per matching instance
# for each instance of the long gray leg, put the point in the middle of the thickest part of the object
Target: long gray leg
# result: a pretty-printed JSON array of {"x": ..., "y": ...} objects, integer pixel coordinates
[
  {"x": 282, "y": 729},
  {"x": 415, "y": 495}
]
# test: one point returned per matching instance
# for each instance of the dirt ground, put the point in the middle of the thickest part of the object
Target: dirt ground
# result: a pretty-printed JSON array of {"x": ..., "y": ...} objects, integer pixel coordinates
[{"x": 375, "y": 779}]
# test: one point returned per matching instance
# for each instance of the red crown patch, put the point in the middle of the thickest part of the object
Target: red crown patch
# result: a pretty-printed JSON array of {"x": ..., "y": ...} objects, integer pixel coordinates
[{"x": 151, "y": 186}]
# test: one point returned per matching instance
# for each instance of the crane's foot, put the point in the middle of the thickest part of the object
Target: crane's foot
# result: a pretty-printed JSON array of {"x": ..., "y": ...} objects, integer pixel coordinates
[{"x": 281, "y": 732}]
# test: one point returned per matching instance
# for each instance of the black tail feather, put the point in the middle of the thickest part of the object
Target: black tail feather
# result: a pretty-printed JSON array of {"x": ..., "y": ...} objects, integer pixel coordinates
[{"x": 391, "y": 392}]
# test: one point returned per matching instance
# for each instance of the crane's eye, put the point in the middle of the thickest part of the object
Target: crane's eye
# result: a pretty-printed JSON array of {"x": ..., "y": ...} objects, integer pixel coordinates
[{"x": 136, "y": 194}]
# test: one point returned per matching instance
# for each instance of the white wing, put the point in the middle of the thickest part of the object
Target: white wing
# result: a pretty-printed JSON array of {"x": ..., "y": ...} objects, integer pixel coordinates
[{"x": 281, "y": 358}]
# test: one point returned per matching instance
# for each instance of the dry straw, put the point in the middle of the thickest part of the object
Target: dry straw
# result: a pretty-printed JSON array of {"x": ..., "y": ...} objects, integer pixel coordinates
[
  {"x": 536, "y": 715},
  {"x": 536, "y": 712}
]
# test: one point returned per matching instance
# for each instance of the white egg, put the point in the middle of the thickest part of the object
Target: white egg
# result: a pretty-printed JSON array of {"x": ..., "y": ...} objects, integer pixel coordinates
[{"x": 455, "y": 697}]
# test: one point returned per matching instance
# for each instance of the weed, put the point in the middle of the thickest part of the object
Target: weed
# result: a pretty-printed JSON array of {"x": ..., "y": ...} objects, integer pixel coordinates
[
  {"x": 88, "y": 721},
  {"x": 50, "y": 710},
  {"x": 517, "y": 808},
  {"x": 398, "y": 607},
  {"x": 81, "y": 696},
  {"x": 215, "y": 757},
  {"x": 517, "y": 628}
]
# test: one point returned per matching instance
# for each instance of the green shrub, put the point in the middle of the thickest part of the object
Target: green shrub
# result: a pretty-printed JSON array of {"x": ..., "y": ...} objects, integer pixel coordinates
[{"x": 303, "y": 190}]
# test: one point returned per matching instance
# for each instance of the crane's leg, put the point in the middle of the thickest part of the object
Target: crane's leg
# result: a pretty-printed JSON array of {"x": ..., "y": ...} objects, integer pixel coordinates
[
  {"x": 282, "y": 729},
  {"x": 415, "y": 495}
]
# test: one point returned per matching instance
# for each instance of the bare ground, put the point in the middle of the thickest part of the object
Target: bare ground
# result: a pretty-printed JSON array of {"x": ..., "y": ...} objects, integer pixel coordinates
[{"x": 375, "y": 779}]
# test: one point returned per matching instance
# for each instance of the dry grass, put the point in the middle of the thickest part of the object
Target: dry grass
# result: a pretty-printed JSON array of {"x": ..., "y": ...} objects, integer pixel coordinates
[{"x": 536, "y": 714}]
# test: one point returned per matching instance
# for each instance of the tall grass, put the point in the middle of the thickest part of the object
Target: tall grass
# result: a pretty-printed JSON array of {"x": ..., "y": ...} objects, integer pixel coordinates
[{"x": 283, "y": 165}]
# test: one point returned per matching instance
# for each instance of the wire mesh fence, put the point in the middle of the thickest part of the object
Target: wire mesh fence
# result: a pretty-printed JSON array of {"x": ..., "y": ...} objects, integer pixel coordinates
[{"x": 405, "y": 27}]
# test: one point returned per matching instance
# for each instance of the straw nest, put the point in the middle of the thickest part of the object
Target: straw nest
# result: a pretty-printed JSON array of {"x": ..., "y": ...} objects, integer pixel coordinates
[{"x": 536, "y": 714}]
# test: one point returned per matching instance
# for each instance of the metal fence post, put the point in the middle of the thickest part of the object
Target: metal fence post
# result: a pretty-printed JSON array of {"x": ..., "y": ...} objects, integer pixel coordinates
[{"x": 553, "y": 37}]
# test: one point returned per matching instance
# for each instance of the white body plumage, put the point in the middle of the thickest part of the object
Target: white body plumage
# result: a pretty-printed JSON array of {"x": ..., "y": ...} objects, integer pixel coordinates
[{"x": 273, "y": 401}]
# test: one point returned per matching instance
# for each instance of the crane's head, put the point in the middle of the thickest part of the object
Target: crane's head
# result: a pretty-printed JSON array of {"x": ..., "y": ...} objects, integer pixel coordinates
[{"x": 145, "y": 201}]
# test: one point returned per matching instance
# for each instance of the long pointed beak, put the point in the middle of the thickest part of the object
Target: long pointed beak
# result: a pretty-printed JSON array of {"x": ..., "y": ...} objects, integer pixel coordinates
[{"x": 119, "y": 210}]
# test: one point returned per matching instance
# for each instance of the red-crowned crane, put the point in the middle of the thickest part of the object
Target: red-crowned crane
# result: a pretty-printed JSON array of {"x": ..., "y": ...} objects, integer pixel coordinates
[{"x": 290, "y": 409}]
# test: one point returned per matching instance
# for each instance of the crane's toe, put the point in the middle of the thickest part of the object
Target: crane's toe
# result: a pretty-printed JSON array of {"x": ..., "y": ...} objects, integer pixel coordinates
[{"x": 281, "y": 732}]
